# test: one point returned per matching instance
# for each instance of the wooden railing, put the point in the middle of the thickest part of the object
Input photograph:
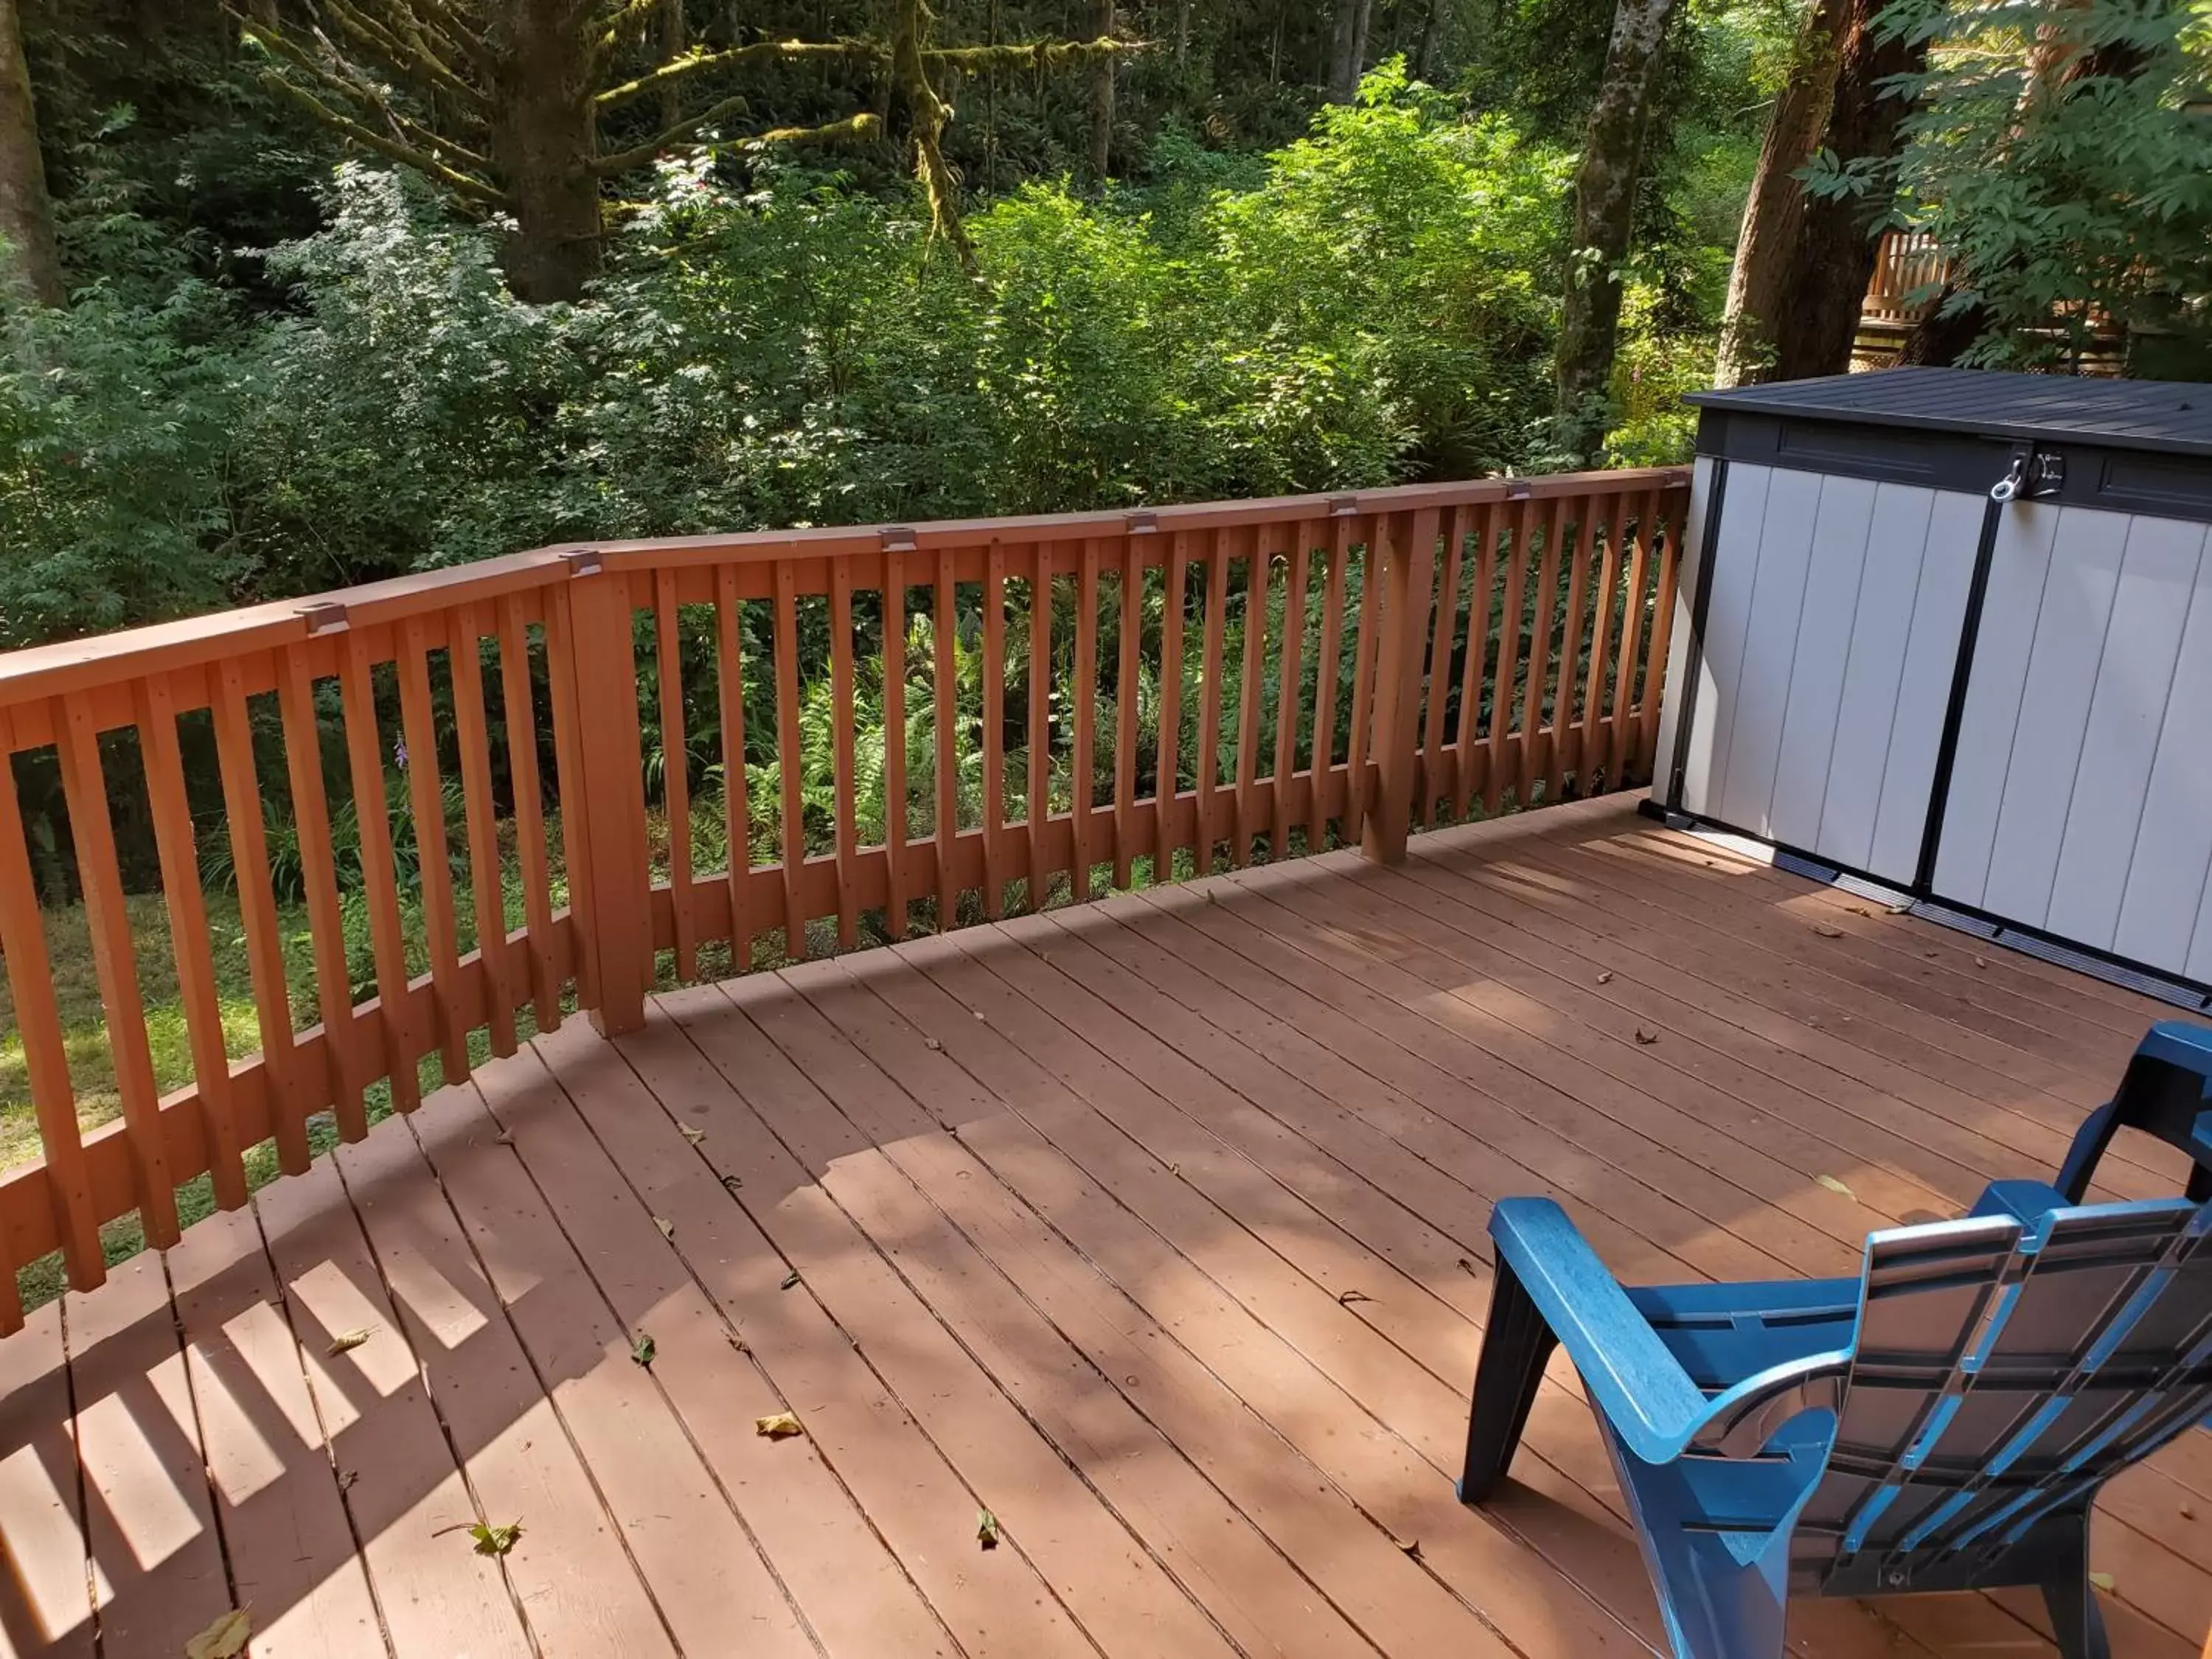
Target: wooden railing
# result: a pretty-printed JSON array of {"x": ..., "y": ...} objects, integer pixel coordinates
[
  {"x": 1297, "y": 668},
  {"x": 1907, "y": 262}
]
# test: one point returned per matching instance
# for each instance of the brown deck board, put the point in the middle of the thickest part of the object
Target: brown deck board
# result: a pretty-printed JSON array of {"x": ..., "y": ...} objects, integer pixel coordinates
[{"x": 1155, "y": 1227}]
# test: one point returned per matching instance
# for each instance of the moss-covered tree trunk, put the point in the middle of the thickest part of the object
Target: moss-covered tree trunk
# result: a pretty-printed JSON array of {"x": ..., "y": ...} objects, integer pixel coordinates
[
  {"x": 1347, "y": 50},
  {"x": 1605, "y": 210},
  {"x": 542, "y": 145},
  {"x": 1837, "y": 242},
  {"x": 1759, "y": 281},
  {"x": 1102, "y": 98},
  {"x": 27, "y": 213}
]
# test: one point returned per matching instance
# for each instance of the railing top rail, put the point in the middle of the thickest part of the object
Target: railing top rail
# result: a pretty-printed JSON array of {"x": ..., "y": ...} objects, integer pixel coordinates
[{"x": 76, "y": 665}]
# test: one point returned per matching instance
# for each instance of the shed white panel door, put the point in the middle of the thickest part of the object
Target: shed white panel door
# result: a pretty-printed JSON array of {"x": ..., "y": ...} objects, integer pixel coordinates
[
  {"x": 1832, "y": 632},
  {"x": 2081, "y": 799}
]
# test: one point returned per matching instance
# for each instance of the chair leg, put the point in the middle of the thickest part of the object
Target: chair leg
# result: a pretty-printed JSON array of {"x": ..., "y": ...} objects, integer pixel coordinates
[
  {"x": 1515, "y": 1346},
  {"x": 2075, "y": 1620}
]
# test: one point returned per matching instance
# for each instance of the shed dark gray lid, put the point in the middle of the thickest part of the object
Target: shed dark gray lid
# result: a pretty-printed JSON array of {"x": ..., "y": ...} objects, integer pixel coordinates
[{"x": 2174, "y": 415}]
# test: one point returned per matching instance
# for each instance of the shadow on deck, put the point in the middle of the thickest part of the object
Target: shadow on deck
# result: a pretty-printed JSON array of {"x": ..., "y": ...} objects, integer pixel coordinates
[{"x": 1155, "y": 1228}]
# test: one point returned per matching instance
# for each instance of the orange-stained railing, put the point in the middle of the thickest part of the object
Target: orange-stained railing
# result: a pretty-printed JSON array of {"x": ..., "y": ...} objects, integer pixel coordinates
[
  {"x": 1348, "y": 665},
  {"x": 1907, "y": 268}
]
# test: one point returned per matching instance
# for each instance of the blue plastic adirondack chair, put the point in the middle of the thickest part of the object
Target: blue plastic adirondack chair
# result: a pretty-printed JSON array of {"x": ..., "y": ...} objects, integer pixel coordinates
[{"x": 1942, "y": 1422}]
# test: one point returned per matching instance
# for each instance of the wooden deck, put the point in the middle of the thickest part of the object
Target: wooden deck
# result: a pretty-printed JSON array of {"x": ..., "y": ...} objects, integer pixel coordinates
[{"x": 1155, "y": 1227}]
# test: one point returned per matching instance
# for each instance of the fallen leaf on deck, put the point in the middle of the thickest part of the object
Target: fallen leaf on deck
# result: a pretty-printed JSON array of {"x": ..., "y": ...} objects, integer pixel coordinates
[
  {"x": 346, "y": 1478},
  {"x": 1826, "y": 931},
  {"x": 738, "y": 1343},
  {"x": 1470, "y": 1266},
  {"x": 978, "y": 1013},
  {"x": 1410, "y": 1545},
  {"x": 2187, "y": 1513},
  {"x": 667, "y": 1227},
  {"x": 1981, "y": 962},
  {"x": 777, "y": 1426},
  {"x": 791, "y": 1279},
  {"x": 1605, "y": 978},
  {"x": 987, "y": 1529},
  {"x": 642, "y": 1349},
  {"x": 1836, "y": 1186},
  {"x": 1900, "y": 910},
  {"x": 496, "y": 1541},
  {"x": 1647, "y": 1038},
  {"x": 505, "y": 1137},
  {"x": 1348, "y": 1297},
  {"x": 695, "y": 1136},
  {"x": 2103, "y": 1581},
  {"x": 932, "y": 1044},
  {"x": 347, "y": 1341},
  {"x": 1858, "y": 909},
  {"x": 224, "y": 1639},
  {"x": 732, "y": 1183}
]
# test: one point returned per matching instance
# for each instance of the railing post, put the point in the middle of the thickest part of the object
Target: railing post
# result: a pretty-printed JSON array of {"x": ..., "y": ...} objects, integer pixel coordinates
[
  {"x": 613, "y": 898},
  {"x": 1408, "y": 575}
]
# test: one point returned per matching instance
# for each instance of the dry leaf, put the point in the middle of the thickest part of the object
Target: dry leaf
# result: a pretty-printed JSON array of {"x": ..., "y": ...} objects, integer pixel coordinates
[
  {"x": 978, "y": 1013},
  {"x": 2103, "y": 1581},
  {"x": 1826, "y": 931},
  {"x": 732, "y": 1183},
  {"x": 1605, "y": 978},
  {"x": 1470, "y": 1266},
  {"x": 1348, "y": 1297},
  {"x": 642, "y": 1349},
  {"x": 1647, "y": 1038},
  {"x": 791, "y": 1279},
  {"x": 932, "y": 1045},
  {"x": 1981, "y": 962},
  {"x": 505, "y": 1137},
  {"x": 347, "y": 1341},
  {"x": 695, "y": 1136},
  {"x": 738, "y": 1343},
  {"x": 1858, "y": 909},
  {"x": 346, "y": 1478},
  {"x": 1900, "y": 910},
  {"x": 496, "y": 1541},
  {"x": 2187, "y": 1513},
  {"x": 1411, "y": 1545},
  {"x": 1835, "y": 1185},
  {"x": 667, "y": 1227},
  {"x": 777, "y": 1426},
  {"x": 987, "y": 1529},
  {"x": 226, "y": 1638}
]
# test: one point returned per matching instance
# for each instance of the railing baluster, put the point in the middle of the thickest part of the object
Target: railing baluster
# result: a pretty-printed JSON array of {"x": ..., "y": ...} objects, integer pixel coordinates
[
  {"x": 311, "y": 813},
  {"x": 1556, "y": 758},
  {"x": 1258, "y": 567},
  {"x": 737, "y": 806},
  {"x": 373, "y": 811},
  {"x": 45, "y": 1052},
  {"x": 573, "y": 793},
  {"x": 85, "y": 787},
  {"x": 1209, "y": 704},
  {"x": 1328, "y": 651},
  {"x": 676, "y": 768},
  {"x": 994, "y": 730},
  {"x": 597, "y": 663},
  {"x": 1539, "y": 657},
  {"x": 1439, "y": 677},
  {"x": 1287, "y": 686},
  {"x": 1471, "y": 680},
  {"x": 1502, "y": 702},
  {"x": 1586, "y": 756},
  {"x": 841, "y": 695},
  {"x": 520, "y": 716},
  {"x": 1362, "y": 706},
  {"x": 178, "y": 854},
  {"x": 1040, "y": 738},
  {"x": 1407, "y": 571},
  {"x": 290, "y": 1098},
  {"x": 895, "y": 818},
  {"x": 1130, "y": 626},
  {"x": 1085, "y": 706},
  {"x": 434, "y": 874},
  {"x": 944, "y": 634},
  {"x": 1167, "y": 770},
  {"x": 788, "y": 758},
  {"x": 487, "y": 886},
  {"x": 1632, "y": 631}
]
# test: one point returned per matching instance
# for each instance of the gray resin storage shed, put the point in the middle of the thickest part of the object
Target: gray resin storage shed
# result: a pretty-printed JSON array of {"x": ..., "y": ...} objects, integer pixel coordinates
[{"x": 1952, "y": 631}]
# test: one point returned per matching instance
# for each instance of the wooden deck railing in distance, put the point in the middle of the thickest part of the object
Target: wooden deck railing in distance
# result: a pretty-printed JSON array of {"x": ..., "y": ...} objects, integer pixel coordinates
[{"x": 887, "y": 729}]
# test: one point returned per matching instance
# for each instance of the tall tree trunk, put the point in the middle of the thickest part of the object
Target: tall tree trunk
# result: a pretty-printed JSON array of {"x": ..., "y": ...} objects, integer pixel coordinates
[
  {"x": 1347, "y": 50},
  {"x": 1102, "y": 99},
  {"x": 1605, "y": 210},
  {"x": 1436, "y": 35},
  {"x": 672, "y": 42},
  {"x": 1837, "y": 240},
  {"x": 26, "y": 213},
  {"x": 1182, "y": 34},
  {"x": 543, "y": 141},
  {"x": 1758, "y": 289}
]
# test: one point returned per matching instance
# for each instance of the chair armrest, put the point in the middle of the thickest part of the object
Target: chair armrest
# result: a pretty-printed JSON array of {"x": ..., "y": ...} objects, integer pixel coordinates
[
  {"x": 2167, "y": 1091},
  {"x": 1640, "y": 1387}
]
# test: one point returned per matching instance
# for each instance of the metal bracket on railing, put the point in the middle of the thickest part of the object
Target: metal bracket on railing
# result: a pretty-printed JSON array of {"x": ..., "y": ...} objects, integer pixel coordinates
[
  {"x": 1344, "y": 507},
  {"x": 1677, "y": 481},
  {"x": 1143, "y": 524},
  {"x": 897, "y": 538},
  {"x": 583, "y": 560},
  {"x": 327, "y": 617},
  {"x": 1516, "y": 489}
]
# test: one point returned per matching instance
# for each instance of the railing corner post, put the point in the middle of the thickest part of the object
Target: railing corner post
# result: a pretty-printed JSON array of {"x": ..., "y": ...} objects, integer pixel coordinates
[
  {"x": 1409, "y": 573},
  {"x": 615, "y": 892}
]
